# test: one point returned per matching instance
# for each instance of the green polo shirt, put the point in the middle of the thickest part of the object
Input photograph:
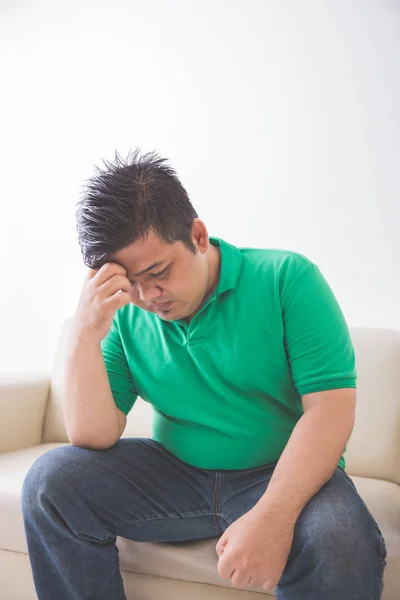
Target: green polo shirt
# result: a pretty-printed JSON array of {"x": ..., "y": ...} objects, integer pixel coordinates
[{"x": 226, "y": 388}]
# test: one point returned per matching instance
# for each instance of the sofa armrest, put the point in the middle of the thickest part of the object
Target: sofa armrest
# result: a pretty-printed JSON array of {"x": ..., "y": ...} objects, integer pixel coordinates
[{"x": 23, "y": 400}]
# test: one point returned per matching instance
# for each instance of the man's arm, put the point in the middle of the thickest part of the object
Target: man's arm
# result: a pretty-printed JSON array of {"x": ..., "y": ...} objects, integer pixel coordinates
[
  {"x": 312, "y": 453},
  {"x": 91, "y": 416},
  {"x": 307, "y": 462},
  {"x": 319, "y": 350}
]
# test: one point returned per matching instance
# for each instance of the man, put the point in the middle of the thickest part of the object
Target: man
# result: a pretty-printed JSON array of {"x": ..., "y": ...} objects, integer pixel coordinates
[{"x": 247, "y": 360}]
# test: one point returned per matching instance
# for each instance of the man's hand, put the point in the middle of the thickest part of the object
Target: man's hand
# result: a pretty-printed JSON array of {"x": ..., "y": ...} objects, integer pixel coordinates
[
  {"x": 105, "y": 290},
  {"x": 254, "y": 550}
]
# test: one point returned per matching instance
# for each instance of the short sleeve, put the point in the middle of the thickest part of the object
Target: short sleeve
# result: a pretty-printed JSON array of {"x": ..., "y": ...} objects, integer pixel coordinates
[
  {"x": 119, "y": 374},
  {"x": 317, "y": 339}
]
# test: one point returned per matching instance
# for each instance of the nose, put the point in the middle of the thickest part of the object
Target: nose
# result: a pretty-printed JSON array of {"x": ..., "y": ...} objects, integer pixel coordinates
[{"x": 148, "y": 292}]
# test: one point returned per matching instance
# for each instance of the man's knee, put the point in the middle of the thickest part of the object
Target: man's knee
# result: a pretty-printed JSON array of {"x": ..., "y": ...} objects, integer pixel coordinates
[
  {"x": 337, "y": 543},
  {"x": 47, "y": 477},
  {"x": 341, "y": 539}
]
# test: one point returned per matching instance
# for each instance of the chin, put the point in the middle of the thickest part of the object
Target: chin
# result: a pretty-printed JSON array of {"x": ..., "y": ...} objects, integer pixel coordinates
[
  {"x": 172, "y": 315},
  {"x": 167, "y": 317}
]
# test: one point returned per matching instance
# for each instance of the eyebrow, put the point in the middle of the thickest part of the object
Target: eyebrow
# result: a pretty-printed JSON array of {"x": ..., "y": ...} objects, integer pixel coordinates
[{"x": 156, "y": 264}]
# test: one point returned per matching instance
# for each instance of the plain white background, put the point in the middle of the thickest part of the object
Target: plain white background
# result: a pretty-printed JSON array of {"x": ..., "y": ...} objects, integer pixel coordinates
[{"x": 281, "y": 118}]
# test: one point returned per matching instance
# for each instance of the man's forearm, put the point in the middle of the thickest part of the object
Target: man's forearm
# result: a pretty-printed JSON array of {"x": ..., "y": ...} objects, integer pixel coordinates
[
  {"x": 89, "y": 409},
  {"x": 311, "y": 454}
]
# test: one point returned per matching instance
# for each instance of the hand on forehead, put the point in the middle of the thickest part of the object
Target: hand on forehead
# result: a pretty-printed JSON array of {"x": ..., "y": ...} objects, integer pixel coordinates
[{"x": 110, "y": 267}]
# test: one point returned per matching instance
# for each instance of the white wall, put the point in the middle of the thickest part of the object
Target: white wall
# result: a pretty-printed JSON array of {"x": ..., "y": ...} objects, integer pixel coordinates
[{"x": 281, "y": 118}]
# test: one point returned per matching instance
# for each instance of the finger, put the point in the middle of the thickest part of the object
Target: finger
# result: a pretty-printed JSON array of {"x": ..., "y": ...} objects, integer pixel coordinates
[
  {"x": 256, "y": 581},
  {"x": 225, "y": 567},
  {"x": 220, "y": 547},
  {"x": 268, "y": 586},
  {"x": 107, "y": 271},
  {"x": 119, "y": 300},
  {"x": 240, "y": 578},
  {"x": 90, "y": 274},
  {"x": 116, "y": 283}
]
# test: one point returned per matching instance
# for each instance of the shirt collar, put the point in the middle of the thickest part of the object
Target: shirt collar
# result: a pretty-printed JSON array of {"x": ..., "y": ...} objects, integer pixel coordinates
[{"x": 231, "y": 263}]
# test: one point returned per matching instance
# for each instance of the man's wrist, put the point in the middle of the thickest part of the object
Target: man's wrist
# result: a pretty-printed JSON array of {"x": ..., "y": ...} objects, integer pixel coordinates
[{"x": 283, "y": 510}]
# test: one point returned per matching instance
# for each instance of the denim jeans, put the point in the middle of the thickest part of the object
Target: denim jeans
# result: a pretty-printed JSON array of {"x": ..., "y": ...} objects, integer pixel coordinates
[{"x": 75, "y": 502}]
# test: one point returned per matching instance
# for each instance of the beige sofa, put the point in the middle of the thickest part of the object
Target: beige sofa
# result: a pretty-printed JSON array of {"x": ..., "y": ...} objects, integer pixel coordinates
[{"x": 31, "y": 423}]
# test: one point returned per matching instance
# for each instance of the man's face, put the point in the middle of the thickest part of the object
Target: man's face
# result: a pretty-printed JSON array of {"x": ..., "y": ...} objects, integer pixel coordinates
[{"x": 167, "y": 279}]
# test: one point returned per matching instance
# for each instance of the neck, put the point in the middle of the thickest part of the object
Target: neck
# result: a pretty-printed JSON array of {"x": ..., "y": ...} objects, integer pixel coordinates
[{"x": 214, "y": 267}]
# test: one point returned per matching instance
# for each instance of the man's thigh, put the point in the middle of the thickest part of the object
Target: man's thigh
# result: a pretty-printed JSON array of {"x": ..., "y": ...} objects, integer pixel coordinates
[
  {"x": 336, "y": 504},
  {"x": 136, "y": 489},
  {"x": 237, "y": 491}
]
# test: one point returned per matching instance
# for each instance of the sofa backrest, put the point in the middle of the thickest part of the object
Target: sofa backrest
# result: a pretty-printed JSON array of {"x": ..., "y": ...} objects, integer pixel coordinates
[{"x": 374, "y": 447}]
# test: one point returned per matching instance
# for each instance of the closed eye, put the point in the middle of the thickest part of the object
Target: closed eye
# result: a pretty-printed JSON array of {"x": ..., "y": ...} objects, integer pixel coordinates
[{"x": 160, "y": 274}]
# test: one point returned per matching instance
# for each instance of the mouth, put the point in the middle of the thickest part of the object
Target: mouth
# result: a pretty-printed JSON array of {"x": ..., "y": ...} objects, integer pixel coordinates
[{"x": 162, "y": 307}]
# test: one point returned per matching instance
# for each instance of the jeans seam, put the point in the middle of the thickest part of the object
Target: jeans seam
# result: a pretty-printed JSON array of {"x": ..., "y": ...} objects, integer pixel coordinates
[
  {"x": 114, "y": 583},
  {"x": 177, "y": 518},
  {"x": 216, "y": 498}
]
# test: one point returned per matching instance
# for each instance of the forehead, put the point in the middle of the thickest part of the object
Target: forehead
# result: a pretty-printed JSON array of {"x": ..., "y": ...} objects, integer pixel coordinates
[{"x": 145, "y": 252}]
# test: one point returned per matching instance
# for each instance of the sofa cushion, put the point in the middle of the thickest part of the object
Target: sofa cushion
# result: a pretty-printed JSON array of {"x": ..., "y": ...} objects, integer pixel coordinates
[{"x": 13, "y": 469}]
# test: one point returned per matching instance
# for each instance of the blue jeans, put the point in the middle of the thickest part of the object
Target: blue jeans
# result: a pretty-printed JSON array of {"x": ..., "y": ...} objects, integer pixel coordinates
[{"x": 75, "y": 502}]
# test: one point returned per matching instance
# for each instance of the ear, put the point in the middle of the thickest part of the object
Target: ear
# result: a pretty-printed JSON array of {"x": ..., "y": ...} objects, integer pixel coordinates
[{"x": 200, "y": 236}]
